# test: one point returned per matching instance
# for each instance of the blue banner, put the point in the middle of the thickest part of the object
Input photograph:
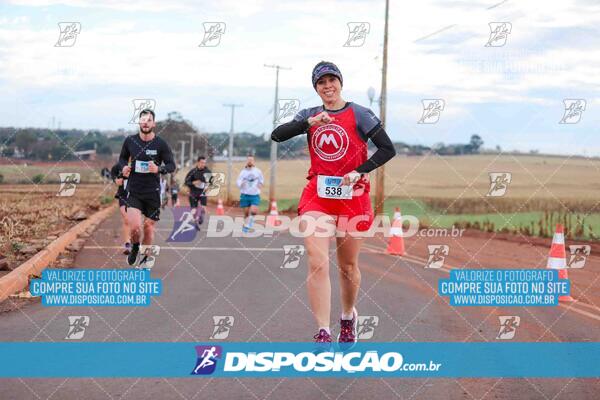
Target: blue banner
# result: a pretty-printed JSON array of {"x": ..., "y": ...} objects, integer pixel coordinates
[
  {"x": 95, "y": 287},
  {"x": 504, "y": 287},
  {"x": 272, "y": 360}
]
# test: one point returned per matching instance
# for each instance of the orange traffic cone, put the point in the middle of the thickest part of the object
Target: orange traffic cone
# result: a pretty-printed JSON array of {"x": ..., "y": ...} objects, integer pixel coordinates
[
  {"x": 272, "y": 219},
  {"x": 557, "y": 258},
  {"x": 220, "y": 209},
  {"x": 396, "y": 244}
]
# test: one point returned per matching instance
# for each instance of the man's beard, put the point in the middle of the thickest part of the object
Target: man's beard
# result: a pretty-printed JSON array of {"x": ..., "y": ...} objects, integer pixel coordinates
[
  {"x": 146, "y": 131},
  {"x": 249, "y": 165}
]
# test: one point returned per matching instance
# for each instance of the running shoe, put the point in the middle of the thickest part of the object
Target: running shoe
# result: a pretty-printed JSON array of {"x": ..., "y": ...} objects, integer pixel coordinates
[
  {"x": 132, "y": 257},
  {"x": 322, "y": 342},
  {"x": 348, "y": 329},
  {"x": 143, "y": 263},
  {"x": 127, "y": 249},
  {"x": 201, "y": 216}
]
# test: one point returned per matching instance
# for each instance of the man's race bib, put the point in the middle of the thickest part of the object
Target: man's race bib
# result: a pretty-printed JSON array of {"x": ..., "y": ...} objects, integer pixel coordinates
[
  {"x": 142, "y": 167},
  {"x": 330, "y": 187},
  {"x": 200, "y": 185}
]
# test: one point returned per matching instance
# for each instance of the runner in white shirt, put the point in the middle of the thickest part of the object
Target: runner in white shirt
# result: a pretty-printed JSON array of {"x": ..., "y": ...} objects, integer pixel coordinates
[{"x": 250, "y": 181}]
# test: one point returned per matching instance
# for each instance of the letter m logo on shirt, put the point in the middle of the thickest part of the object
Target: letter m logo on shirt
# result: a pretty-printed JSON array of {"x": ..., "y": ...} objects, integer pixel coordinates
[{"x": 328, "y": 139}]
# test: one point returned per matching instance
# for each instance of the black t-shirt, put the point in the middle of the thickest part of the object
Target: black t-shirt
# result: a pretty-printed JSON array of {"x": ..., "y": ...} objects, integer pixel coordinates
[
  {"x": 196, "y": 174},
  {"x": 140, "y": 152}
]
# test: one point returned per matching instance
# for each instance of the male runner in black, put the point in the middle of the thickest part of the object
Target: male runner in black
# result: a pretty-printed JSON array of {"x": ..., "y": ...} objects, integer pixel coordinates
[
  {"x": 147, "y": 153},
  {"x": 196, "y": 181}
]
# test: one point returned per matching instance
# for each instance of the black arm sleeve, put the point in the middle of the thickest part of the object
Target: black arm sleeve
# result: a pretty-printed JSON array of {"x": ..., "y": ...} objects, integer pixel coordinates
[
  {"x": 288, "y": 130},
  {"x": 385, "y": 150}
]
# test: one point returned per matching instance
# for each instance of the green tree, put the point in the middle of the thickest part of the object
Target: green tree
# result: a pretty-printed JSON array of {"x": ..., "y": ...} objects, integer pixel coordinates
[
  {"x": 475, "y": 143},
  {"x": 25, "y": 141}
]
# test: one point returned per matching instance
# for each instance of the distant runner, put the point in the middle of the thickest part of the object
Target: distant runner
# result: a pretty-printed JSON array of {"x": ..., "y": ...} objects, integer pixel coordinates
[
  {"x": 174, "y": 191},
  {"x": 196, "y": 181},
  {"x": 164, "y": 199},
  {"x": 121, "y": 195},
  {"x": 250, "y": 181},
  {"x": 338, "y": 190},
  {"x": 150, "y": 156}
]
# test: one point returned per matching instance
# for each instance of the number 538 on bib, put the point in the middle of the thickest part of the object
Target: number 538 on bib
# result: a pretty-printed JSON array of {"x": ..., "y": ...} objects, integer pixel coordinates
[{"x": 330, "y": 187}]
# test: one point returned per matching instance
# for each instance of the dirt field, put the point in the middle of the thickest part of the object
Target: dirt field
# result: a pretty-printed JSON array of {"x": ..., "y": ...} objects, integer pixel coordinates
[
  {"x": 536, "y": 177},
  {"x": 443, "y": 191},
  {"x": 31, "y": 216},
  {"x": 15, "y": 171}
]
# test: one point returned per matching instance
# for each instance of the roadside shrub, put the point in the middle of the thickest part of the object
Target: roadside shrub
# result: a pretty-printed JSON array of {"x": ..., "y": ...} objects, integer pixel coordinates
[{"x": 37, "y": 179}]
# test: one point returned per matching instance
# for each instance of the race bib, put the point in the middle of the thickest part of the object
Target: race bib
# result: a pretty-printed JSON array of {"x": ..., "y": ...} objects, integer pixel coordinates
[
  {"x": 330, "y": 187},
  {"x": 200, "y": 185},
  {"x": 142, "y": 167}
]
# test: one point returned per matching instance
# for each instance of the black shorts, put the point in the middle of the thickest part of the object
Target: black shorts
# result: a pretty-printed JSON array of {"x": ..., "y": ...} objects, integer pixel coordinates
[
  {"x": 147, "y": 203},
  {"x": 122, "y": 202},
  {"x": 174, "y": 197},
  {"x": 194, "y": 201}
]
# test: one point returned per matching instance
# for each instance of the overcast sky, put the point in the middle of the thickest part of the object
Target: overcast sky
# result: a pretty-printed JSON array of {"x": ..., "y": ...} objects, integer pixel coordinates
[{"x": 511, "y": 95}]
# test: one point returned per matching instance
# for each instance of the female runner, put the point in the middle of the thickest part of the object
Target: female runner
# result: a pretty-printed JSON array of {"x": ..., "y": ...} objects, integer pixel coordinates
[{"x": 337, "y": 192}]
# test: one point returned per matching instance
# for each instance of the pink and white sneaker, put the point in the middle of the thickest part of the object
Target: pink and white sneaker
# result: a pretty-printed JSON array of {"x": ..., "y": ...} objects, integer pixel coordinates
[{"x": 348, "y": 329}]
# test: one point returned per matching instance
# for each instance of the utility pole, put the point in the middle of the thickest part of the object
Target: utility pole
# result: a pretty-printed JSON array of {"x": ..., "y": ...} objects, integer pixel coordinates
[
  {"x": 273, "y": 168},
  {"x": 191, "y": 135},
  {"x": 182, "y": 153},
  {"x": 380, "y": 174},
  {"x": 230, "y": 151}
]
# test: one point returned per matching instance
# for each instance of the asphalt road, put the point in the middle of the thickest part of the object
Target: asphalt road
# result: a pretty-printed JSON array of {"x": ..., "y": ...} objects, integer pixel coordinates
[{"x": 243, "y": 278}]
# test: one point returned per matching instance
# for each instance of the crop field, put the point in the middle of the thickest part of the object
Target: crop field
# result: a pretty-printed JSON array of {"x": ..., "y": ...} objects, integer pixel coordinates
[
  {"x": 31, "y": 216},
  {"x": 26, "y": 172},
  {"x": 446, "y": 191}
]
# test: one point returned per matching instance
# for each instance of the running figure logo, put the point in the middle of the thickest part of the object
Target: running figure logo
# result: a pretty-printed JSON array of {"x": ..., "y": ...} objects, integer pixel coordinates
[
  {"x": 432, "y": 109},
  {"x": 77, "y": 325},
  {"x": 499, "y": 32},
  {"x": 365, "y": 326},
  {"x": 68, "y": 34},
  {"x": 184, "y": 229},
  {"x": 286, "y": 109},
  {"x": 222, "y": 326},
  {"x": 437, "y": 255},
  {"x": 357, "y": 33},
  {"x": 292, "y": 255},
  {"x": 207, "y": 359},
  {"x": 578, "y": 256},
  {"x": 574, "y": 108},
  {"x": 508, "y": 327},
  {"x": 149, "y": 253},
  {"x": 215, "y": 181},
  {"x": 212, "y": 34},
  {"x": 499, "y": 182},
  {"x": 68, "y": 183},
  {"x": 140, "y": 105}
]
